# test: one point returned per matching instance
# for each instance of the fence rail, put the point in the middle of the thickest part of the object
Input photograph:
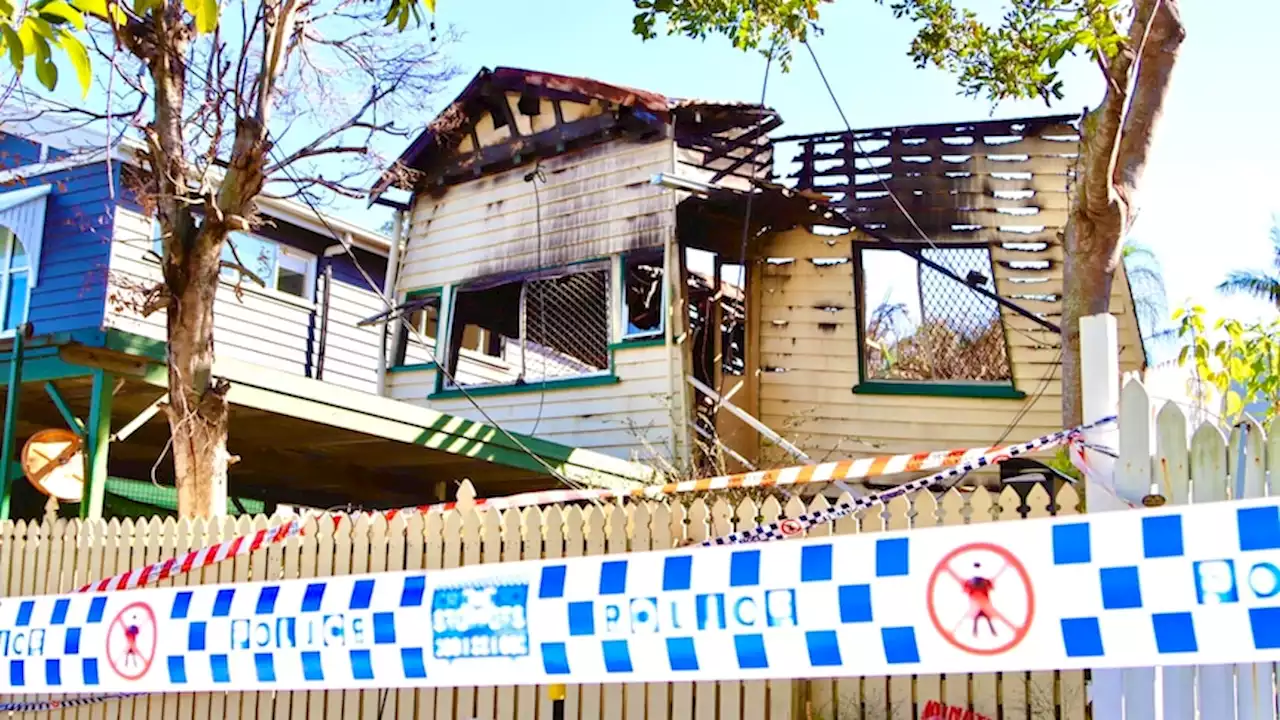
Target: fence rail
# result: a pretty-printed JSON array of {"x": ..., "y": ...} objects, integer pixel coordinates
[{"x": 54, "y": 557}]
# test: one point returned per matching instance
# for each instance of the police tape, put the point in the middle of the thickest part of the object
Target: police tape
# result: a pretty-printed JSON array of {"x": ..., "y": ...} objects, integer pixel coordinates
[
  {"x": 246, "y": 544},
  {"x": 959, "y": 461},
  {"x": 196, "y": 559},
  {"x": 791, "y": 527},
  {"x": 858, "y": 469},
  {"x": 781, "y": 529}
]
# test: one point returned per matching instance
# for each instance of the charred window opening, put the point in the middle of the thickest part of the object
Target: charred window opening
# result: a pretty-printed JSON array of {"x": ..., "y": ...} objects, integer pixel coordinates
[
  {"x": 545, "y": 326},
  {"x": 920, "y": 325},
  {"x": 642, "y": 295},
  {"x": 418, "y": 345}
]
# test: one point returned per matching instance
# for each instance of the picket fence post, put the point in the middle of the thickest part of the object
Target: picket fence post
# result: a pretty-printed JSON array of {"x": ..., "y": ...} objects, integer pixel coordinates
[{"x": 1100, "y": 397}]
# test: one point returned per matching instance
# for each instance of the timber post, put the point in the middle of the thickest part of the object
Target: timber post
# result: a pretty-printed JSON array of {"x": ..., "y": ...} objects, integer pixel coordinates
[
  {"x": 12, "y": 395},
  {"x": 98, "y": 433}
]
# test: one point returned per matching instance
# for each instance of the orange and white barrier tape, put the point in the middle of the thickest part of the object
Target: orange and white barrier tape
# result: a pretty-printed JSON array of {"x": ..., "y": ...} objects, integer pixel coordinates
[
  {"x": 859, "y": 469},
  {"x": 798, "y": 475}
]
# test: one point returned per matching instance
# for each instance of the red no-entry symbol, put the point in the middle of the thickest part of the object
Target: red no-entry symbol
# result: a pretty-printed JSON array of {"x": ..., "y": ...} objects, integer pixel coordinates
[
  {"x": 980, "y": 599},
  {"x": 131, "y": 641}
]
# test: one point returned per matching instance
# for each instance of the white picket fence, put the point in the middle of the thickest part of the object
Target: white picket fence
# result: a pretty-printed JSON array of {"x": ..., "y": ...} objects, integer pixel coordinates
[{"x": 1155, "y": 446}]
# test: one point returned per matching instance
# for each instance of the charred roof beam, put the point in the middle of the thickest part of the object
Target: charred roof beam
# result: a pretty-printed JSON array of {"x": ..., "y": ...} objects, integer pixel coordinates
[{"x": 708, "y": 190}]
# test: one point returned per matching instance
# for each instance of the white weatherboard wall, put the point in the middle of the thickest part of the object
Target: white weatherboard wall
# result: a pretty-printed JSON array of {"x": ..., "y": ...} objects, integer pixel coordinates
[
  {"x": 629, "y": 419},
  {"x": 351, "y": 352},
  {"x": 265, "y": 328}
]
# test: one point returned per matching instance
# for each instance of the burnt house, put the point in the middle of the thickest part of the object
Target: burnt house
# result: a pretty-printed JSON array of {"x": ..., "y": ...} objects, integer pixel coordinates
[{"x": 595, "y": 265}]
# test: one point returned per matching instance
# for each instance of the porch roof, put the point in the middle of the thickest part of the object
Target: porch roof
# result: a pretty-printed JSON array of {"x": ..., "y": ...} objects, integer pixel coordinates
[{"x": 301, "y": 440}]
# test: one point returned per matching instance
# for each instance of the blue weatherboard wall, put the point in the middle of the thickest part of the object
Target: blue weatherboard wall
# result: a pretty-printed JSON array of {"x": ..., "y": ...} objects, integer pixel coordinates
[
  {"x": 344, "y": 270},
  {"x": 79, "y": 222},
  {"x": 15, "y": 151}
]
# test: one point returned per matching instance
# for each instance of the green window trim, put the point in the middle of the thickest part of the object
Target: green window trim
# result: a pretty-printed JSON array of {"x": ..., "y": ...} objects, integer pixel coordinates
[
  {"x": 550, "y": 385},
  {"x": 423, "y": 292},
  {"x": 999, "y": 389},
  {"x": 927, "y": 388},
  {"x": 412, "y": 367},
  {"x": 400, "y": 338},
  {"x": 641, "y": 342}
]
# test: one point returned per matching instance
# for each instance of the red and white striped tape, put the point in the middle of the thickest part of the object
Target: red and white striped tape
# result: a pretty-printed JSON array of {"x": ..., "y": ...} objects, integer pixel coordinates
[
  {"x": 197, "y": 559},
  {"x": 784, "y": 528},
  {"x": 245, "y": 544},
  {"x": 823, "y": 472}
]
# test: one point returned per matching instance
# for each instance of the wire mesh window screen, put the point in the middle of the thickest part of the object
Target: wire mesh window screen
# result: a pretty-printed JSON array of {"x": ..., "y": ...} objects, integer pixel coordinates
[
  {"x": 923, "y": 325},
  {"x": 566, "y": 326}
]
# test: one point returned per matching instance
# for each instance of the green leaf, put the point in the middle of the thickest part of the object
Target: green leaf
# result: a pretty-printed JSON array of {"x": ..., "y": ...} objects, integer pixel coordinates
[
  {"x": 98, "y": 8},
  {"x": 79, "y": 58},
  {"x": 1235, "y": 404},
  {"x": 142, "y": 7},
  {"x": 431, "y": 5},
  {"x": 1182, "y": 355},
  {"x": 46, "y": 71},
  {"x": 57, "y": 11},
  {"x": 27, "y": 34},
  {"x": 14, "y": 43},
  {"x": 6, "y": 10},
  {"x": 205, "y": 12}
]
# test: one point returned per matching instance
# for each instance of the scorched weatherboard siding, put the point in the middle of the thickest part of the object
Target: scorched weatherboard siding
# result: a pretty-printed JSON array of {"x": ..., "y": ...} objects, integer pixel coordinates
[
  {"x": 595, "y": 202},
  {"x": 809, "y": 346}
]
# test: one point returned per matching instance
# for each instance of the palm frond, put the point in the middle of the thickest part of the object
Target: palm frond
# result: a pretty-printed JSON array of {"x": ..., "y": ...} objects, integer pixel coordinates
[
  {"x": 1275, "y": 240},
  {"x": 1252, "y": 284},
  {"x": 1146, "y": 284}
]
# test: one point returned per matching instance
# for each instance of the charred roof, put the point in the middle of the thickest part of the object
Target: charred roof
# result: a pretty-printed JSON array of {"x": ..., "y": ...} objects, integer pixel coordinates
[{"x": 444, "y": 133}]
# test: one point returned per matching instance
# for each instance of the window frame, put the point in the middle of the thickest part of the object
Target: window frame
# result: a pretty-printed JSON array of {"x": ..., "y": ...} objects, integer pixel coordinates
[
  {"x": 6, "y": 269},
  {"x": 996, "y": 389},
  {"x": 401, "y": 339},
  {"x": 311, "y": 260},
  {"x": 445, "y": 387},
  {"x": 625, "y": 337}
]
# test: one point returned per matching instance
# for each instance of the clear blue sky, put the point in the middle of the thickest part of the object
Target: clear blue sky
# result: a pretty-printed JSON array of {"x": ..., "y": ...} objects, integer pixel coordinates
[{"x": 1211, "y": 187}]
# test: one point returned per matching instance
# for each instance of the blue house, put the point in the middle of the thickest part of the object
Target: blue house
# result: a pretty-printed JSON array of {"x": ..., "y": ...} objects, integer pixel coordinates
[{"x": 84, "y": 340}]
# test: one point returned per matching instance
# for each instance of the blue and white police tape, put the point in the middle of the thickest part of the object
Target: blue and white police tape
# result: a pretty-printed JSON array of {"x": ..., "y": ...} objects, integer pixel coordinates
[
  {"x": 790, "y": 527},
  {"x": 1196, "y": 584}
]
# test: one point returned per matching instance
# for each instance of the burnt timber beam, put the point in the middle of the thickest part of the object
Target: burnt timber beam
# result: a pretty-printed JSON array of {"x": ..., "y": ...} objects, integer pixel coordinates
[
  {"x": 838, "y": 213},
  {"x": 546, "y": 142}
]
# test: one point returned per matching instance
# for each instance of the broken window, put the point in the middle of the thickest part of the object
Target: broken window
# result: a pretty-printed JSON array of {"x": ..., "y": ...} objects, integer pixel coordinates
[
  {"x": 642, "y": 293},
  {"x": 533, "y": 327},
  {"x": 919, "y": 324},
  {"x": 416, "y": 324}
]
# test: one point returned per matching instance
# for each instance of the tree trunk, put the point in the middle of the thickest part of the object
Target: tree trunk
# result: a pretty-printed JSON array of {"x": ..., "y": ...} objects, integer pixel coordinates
[
  {"x": 197, "y": 407},
  {"x": 1114, "y": 151},
  {"x": 1088, "y": 271}
]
